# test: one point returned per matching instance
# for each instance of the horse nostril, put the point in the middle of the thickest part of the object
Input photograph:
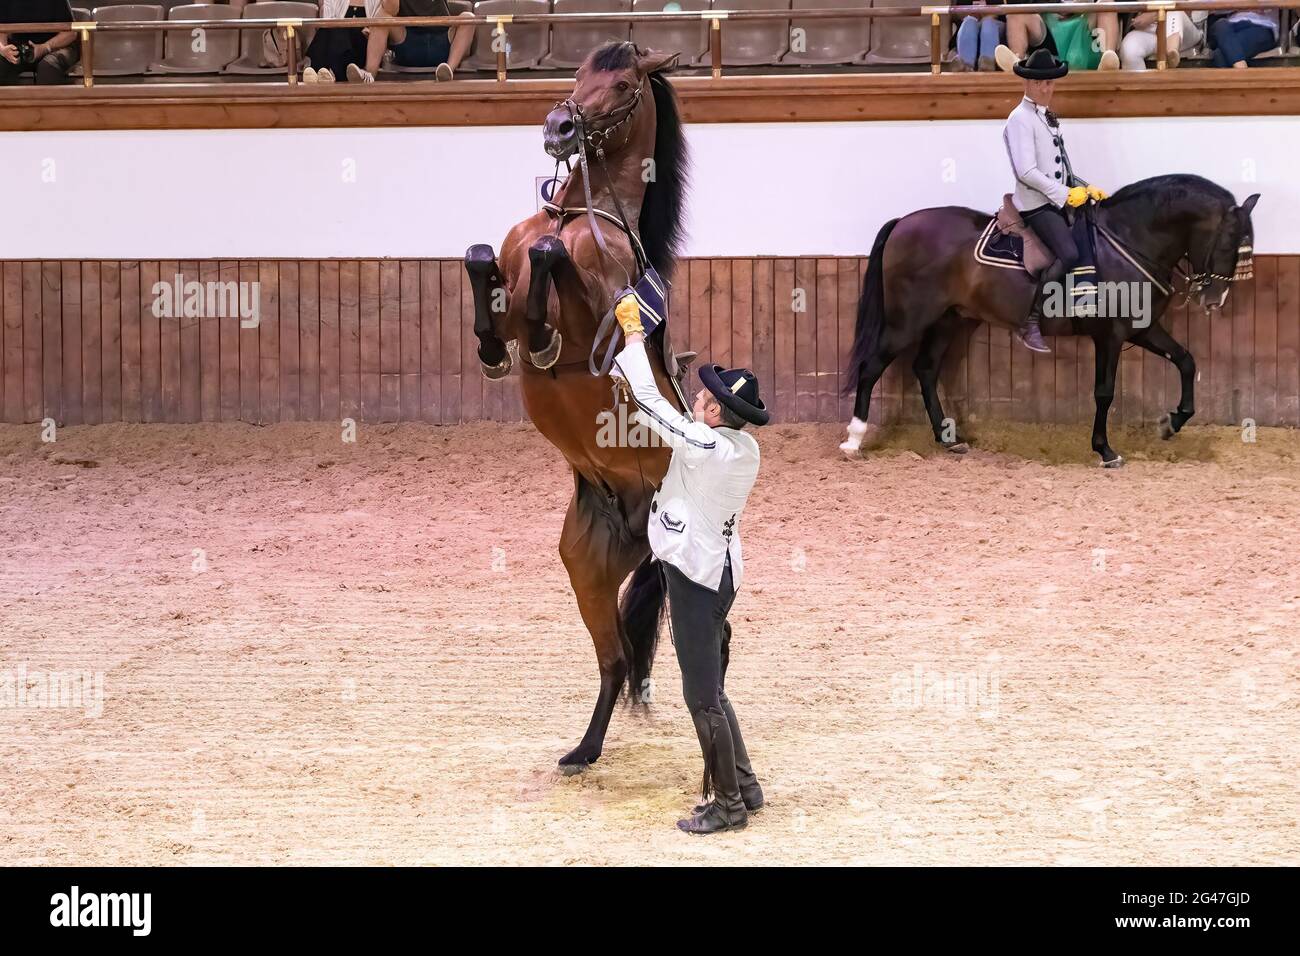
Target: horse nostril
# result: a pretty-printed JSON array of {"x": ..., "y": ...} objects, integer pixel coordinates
[{"x": 566, "y": 128}]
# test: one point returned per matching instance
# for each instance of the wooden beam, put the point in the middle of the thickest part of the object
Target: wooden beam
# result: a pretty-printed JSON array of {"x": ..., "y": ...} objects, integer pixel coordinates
[{"x": 1274, "y": 91}]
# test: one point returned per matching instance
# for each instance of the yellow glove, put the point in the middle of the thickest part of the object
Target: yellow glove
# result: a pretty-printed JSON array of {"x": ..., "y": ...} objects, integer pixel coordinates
[
  {"x": 1096, "y": 194},
  {"x": 628, "y": 313},
  {"x": 1077, "y": 197}
]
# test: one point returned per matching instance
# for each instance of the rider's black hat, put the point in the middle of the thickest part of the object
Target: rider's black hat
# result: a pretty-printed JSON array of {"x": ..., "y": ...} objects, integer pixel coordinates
[
  {"x": 737, "y": 389},
  {"x": 1041, "y": 65}
]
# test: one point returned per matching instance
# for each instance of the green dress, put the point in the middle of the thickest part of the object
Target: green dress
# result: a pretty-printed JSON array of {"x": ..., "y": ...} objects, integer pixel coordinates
[{"x": 1074, "y": 41}]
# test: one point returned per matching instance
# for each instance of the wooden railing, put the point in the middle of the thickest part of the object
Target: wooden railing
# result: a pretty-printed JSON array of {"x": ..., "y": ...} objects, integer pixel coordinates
[{"x": 717, "y": 19}]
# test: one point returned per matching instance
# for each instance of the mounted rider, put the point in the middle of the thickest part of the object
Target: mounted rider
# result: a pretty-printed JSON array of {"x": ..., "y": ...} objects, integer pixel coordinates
[{"x": 1046, "y": 187}]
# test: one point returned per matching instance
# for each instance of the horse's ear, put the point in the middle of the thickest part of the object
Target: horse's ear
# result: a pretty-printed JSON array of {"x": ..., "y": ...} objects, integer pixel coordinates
[
  {"x": 654, "y": 62},
  {"x": 1249, "y": 204}
]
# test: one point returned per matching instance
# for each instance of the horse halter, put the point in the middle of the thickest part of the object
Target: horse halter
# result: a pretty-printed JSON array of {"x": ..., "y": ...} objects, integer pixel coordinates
[
  {"x": 594, "y": 138},
  {"x": 1245, "y": 269}
]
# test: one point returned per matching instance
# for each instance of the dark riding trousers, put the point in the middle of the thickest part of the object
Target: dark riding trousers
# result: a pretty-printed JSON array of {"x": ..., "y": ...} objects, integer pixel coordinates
[
  {"x": 697, "y": 616},
  {"x": 1050, "y": 225}
]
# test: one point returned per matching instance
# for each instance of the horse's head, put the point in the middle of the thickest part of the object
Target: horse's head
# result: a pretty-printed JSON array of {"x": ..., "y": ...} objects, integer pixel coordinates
[
  {"x": 603, "y": 109},
  {"x": 1222, "y": 252}
]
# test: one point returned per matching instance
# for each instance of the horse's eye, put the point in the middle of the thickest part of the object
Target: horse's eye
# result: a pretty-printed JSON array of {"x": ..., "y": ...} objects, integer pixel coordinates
[{"x": 623, "y": 87}]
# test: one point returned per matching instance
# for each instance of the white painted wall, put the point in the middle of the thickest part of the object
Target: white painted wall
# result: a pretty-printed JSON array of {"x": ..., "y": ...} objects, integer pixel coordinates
[{"x": 780, "y": 189}]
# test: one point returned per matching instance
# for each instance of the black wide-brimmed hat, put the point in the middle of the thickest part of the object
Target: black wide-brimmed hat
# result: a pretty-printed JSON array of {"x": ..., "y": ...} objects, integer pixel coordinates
[
  {"x": 737, "y": 389},
  {"x": 1041, "y": 65}
]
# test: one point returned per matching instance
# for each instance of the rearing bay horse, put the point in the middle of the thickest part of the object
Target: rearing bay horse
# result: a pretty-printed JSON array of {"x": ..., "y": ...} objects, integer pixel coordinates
[
  {"x": 555, "y": 279},
  {"x": 923, "y": 280}
]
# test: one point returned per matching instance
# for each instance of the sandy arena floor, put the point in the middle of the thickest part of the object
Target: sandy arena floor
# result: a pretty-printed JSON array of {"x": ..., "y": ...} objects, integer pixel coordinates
[{"x": 1014, "y": 657}]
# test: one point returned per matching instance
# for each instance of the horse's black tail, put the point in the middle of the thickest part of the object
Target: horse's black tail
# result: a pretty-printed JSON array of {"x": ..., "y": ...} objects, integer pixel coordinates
[
  {"x": 640, "y": 611},
  {"x": 871, "y": 311}
]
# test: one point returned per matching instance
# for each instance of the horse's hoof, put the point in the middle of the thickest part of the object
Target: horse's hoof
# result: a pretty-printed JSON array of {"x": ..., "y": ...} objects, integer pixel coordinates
[
  {"x": 499, "y": 371},
  {"x": 851, "y": 448},
  {"x": 958, "y": 448},
  {"x": 549, "y": 355},
  {"x": 1116, "y": 462},
  {"x": 572, "y": 769},
  {"x": 1165, "y": 427}
]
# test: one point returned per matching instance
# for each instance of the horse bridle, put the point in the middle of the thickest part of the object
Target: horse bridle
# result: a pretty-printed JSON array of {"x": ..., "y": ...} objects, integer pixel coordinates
[
  {"x": 596, "y": 138},
  {"x": 1198, "y": 281}
]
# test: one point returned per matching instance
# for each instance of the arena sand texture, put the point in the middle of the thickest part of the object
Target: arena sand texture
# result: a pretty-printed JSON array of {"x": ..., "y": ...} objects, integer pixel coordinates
[{"x": 1011, "y": 657}]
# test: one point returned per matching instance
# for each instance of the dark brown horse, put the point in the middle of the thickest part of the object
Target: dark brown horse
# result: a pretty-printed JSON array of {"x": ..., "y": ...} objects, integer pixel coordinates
[
  {"x": 555, "y": 279},
  {"x": 923, "y": 280}
]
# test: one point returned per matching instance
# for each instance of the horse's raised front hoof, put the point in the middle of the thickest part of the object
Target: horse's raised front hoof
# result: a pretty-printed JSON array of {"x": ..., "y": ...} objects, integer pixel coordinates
[
  {"x": 497, "y": 371},
  {"x": 1116, "y": 462},
  {"x": 577, "y": 760},
  {"x": 549, "y": 355},
  {"x": 1165, "y": 427},
  {"x": 958, "y": 447}
]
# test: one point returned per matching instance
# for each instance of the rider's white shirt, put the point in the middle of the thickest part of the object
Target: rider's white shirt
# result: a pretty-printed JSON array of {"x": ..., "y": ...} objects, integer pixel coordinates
[
  {"x": 695, "y": 514},
  {"x": 1037, "y": 157}
]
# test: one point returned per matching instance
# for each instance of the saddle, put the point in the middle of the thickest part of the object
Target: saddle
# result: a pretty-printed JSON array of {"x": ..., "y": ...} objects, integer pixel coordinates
[{"x": 1007, "y": 242}]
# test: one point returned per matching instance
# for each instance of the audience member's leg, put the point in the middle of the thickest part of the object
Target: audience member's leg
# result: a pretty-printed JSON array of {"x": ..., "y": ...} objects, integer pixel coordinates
[
  {"x": 968, "y": 42},
  {"x": 1136, "y": 47},
  {"x": 1189, "y": 34},
  {"x": 461, "y": 39},
  {"x": 1024, "y": 30},
  {"x": 1235, "y": 43},
  {"x": 1108, "y": 25},
  {"x": 53, "y": 68},
  {"x": 992, "y": 30}
]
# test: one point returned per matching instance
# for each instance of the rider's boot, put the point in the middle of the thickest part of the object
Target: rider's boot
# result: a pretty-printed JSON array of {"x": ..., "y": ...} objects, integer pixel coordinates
[
  {"x": 726, "y": 811},
  {"x": 1029, "y": 333}
]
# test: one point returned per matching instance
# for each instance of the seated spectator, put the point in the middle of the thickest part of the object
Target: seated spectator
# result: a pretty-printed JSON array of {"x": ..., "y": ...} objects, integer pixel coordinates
[
  {"x": 1183, "y": 34},
  {"x": 440, "y": 47},
  {"x": 978, "y": 38},
  {"x": 1243, "y": 35},
  {"x": 332, "y": 51},
  {"x": 1071, "y": 36},
  {"x": 47, "y": 55}
]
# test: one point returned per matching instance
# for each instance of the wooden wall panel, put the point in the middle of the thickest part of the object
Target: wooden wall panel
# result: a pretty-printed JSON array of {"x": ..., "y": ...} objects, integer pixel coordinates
[{"x": 388, "y": 340}]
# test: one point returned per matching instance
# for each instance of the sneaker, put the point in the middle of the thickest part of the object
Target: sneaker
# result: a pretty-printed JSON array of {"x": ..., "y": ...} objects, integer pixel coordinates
[
  {"x": 1005, "y": 58},
  {"x": 987, "y": 64},
  {"x": 1174, "y": 58},
  {"x": 309, "y": 76},
  {"x": 443, "y": 73},
  {"x": 1109, "y": 61},
  {"x": 358, "y": 75},
  {"x": 324, "y": 75}
]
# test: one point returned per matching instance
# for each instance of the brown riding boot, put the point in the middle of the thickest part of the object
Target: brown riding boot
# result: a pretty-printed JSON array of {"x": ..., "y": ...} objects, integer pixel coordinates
[{"x": 726, "y": 811}]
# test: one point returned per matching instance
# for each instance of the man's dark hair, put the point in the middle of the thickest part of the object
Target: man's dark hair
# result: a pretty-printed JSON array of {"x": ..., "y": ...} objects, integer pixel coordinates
[{"x": 729, "y": 418}]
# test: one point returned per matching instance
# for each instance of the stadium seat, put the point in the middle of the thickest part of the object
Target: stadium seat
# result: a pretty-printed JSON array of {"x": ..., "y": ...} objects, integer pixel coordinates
[
  {"x": 571, "y": 43},
  {"x": 126, "y": 53},
  {"x": 904, "y": 39},
  {"x": 691, "y": 40},
  {"x": 221, "y": 47},
  {"x": 754, "y": 42},
  {"x": 250, "y": 41},
  {"x": 525, "y": 43},
  {"x": 829, "y": 41},
  {"x": 455, "y": 8}
]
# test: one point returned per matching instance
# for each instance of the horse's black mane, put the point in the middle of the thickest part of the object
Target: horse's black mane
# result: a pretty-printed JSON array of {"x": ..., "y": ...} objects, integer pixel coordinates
[
  {"x": 1171, "y": 189},
  {"x": 665, "y": 195}
]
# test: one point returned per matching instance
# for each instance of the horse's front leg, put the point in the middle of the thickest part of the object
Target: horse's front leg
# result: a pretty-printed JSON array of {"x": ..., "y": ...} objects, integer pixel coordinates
[
  {"x": 1159, "y": 342},
  {"x": 1108, "y": 347},
  {"x": 490, "y": 299},
  {"x": 544, "y": 256}
]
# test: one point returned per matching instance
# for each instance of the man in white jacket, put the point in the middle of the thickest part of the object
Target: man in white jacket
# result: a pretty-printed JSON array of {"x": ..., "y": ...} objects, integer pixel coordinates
[{"x": 695, "y": 533}]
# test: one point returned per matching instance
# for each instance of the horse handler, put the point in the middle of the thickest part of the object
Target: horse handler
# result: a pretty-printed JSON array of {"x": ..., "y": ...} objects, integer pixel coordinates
[{"x": 694, "y": 532}]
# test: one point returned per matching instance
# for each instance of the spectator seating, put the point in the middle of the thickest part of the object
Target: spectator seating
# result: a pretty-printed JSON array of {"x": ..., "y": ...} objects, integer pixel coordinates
[
  {"x": 754, "y": 42},
  {"x": 526, "y": 44},
  {"x": 220, "y": 47},
  {"x": 250, "y": 41},
  {"x": 904, "y": 39},
  {"x": 571, "y": 42},
  {"x": 828, "y": 41},
  {"x": 126, "y": 53},
  {"x": 691, "y": 40}
]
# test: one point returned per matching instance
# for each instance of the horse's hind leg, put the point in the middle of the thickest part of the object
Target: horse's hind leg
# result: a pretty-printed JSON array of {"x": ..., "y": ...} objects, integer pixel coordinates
[
  {"x": 597, "y": 559},
  {"x": 871, "y": 372},
  {"x": 1159, "y": 342},
  {"x": 489, "y": 298},
  {"x": 544, "y": 342},
  {"x": 929, "y": 361}
]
